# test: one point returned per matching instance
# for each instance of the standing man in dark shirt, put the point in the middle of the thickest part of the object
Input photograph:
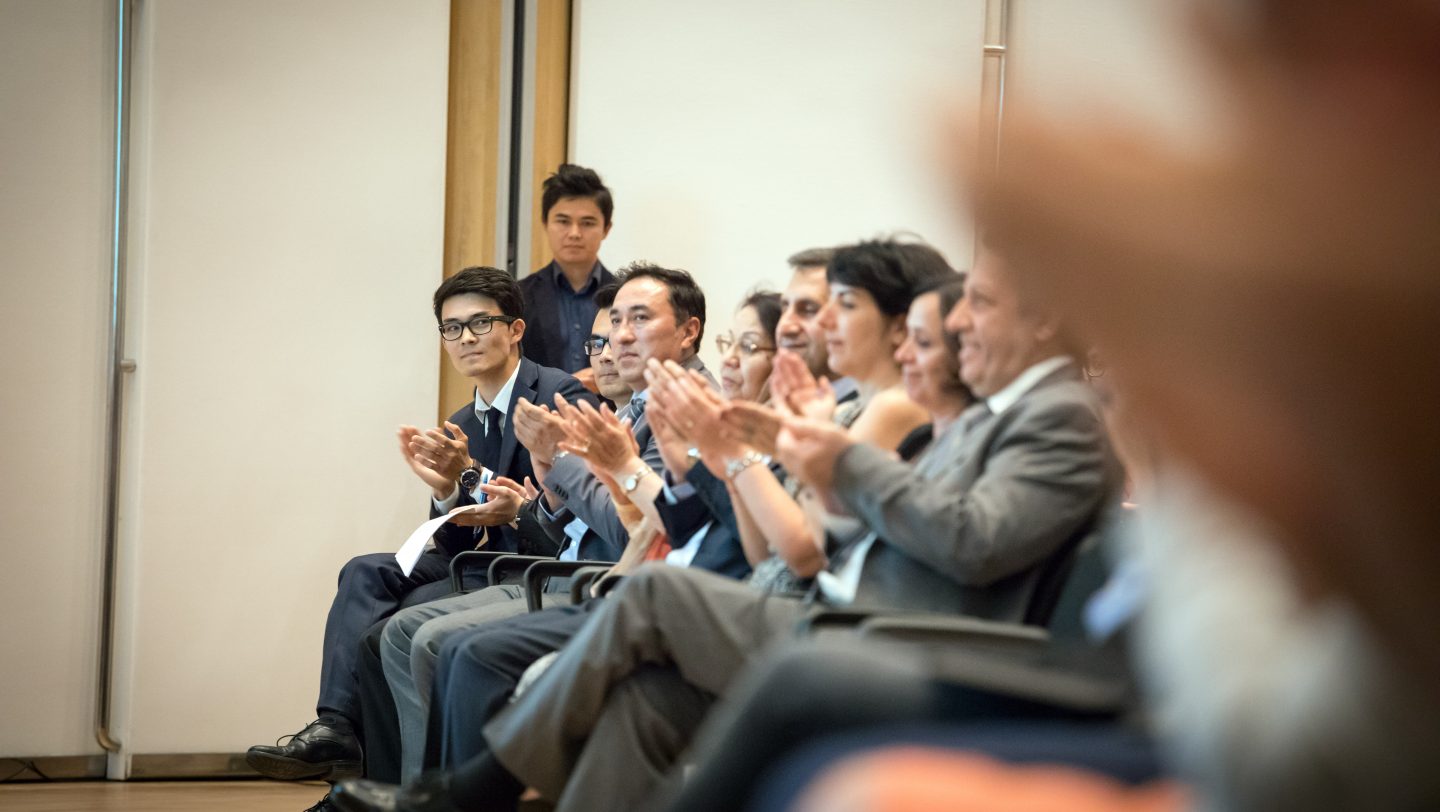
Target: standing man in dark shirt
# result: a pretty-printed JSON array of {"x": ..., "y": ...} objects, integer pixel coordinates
[{"x": 575, "y": 207}]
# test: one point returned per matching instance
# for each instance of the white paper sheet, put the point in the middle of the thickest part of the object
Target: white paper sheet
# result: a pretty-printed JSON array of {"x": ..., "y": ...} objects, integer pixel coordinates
[{"x": 409, "y": 554}]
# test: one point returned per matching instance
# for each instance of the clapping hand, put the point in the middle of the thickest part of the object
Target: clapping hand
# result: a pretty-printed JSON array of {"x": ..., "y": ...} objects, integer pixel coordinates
[
  {"x": 597, "y": 436},
  {"x": 809, "y": 450},
  {"x": 435, "y": 458},
  {"x": 798, "y": 393},
  {"x": 504, "y": 499},
  {"x": 693, "y": 411},
  {"x": 752, "y": 424}
]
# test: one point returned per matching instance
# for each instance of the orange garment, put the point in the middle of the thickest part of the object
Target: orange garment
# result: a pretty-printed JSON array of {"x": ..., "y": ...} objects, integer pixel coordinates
[
  {"x": 659, "y": 548},
  {"x": 913, "y": 779}
]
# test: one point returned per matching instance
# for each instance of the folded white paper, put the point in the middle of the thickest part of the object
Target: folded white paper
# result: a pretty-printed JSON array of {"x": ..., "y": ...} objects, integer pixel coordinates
[{"x": 410, "y": 551}]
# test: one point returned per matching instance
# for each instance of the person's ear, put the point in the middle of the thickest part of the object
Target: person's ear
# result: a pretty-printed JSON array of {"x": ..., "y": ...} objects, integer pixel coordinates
[
  {"x": 691, "y": 331},
  {"x": 517, "y": 331},
  {"x": 606, "y": 232},
  {"x": 895, "y": 331}
]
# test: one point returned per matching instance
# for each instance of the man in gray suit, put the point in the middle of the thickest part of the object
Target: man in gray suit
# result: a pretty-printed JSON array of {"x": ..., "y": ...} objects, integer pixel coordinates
[{"x": 974, "y": 526}]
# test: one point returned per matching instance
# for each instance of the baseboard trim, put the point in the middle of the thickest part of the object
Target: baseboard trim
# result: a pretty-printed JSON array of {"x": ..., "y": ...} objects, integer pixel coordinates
[
  {"x": 191, "y": 765},
  {"x": 148, "y": 766},
  {"x": 51, "y": 768}
]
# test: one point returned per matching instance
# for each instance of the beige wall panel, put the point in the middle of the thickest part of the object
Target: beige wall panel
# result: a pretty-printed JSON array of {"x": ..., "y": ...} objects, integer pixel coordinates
[
  {"x": 552, "y": 112},
  {"x": 734, "y": 134},
  {"x": 56, "y": 149},
  {"x": 1110, "y": 61},
  {"x": 287, "y": 227},
  {"x": 472, "y": 144}
]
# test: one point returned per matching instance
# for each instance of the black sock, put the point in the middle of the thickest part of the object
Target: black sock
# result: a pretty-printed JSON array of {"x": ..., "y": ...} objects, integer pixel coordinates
[
  {"x": 337, "y": 720},
  {"x": 483, "y": 784}
]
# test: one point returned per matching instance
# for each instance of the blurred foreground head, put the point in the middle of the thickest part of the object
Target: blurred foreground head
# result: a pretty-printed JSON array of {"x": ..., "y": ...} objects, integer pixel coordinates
[{"x": 1272, "y": 306}]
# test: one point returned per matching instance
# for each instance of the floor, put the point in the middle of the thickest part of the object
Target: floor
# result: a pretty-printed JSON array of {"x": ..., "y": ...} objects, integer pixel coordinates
[{"x": 160, "y": 796}]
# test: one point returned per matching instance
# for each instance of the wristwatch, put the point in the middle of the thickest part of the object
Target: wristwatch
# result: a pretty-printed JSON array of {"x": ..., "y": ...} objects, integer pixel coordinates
[
  {"x": 469, "y": 478},
  {"x": 630, "y": 483}
]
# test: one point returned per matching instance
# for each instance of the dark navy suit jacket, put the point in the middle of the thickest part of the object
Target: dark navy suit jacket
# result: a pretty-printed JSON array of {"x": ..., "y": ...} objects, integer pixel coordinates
[
  {"x": 720, "y": 549},
  {"x": 544, "y": 343},
  {"x": 537, "y": 384}
]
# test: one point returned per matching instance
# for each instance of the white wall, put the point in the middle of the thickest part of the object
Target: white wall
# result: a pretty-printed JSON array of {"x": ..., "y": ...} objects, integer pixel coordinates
[
  {"x": 288, "y": 228},
  {"x": 286, "y": 233},
  {"x": 1111, "y": 62},
  {"x": 55, "y": 186},
  {"x": 734, "y": 134}
]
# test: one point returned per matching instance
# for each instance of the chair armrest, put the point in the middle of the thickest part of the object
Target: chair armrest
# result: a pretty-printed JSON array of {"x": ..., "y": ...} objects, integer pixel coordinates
[
  {"x": 581, "y": 581},
  {"x": 605, "y": 583},
  {"x": 826, "y": 619},
  {"x": 929, "y": 628},
  {"x": 541, "y": 571},
  {"x": 469, "y": 559},
  {"x": 511, "y": 564},
  {"x": 959, "y": 630}
]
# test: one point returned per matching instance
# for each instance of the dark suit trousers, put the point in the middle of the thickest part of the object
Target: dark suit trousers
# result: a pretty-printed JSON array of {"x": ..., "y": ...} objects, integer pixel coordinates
[
  {"x": 371, "y": 588},
  {"x": 662, "y": 644},
  {"x": 381, "y": 719},
  {"x": 819, "y": 689},
  {"x": 477, "y": 671}
]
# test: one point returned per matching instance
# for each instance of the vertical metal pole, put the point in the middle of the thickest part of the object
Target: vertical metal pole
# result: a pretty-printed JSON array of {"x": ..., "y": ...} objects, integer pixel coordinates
[
  {"x": 119, "y": 367},
  {"x": 992, "y": 90},
  {"x": 517, "y": 127}
]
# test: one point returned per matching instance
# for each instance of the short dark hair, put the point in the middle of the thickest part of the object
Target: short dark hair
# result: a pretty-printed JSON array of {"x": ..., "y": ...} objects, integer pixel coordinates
[
  {"x": 811, "y": 258},
  {"x": 571, "y": 180},
  {"x": 605, "y": 295},
  {"x": 485, "y": 281},
  {"x": 686, "y": 298},
  {"x": 767, "y": 307},
  {"x": 891, "y": 271},
  {"x": 951, "y": 292}
]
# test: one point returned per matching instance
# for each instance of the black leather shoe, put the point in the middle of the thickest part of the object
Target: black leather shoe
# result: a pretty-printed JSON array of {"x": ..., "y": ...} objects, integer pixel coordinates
[
  {"x": 430, "y": 793},
  {"x": 323, "y": 806},
  {"x": 323, "y": 750}
]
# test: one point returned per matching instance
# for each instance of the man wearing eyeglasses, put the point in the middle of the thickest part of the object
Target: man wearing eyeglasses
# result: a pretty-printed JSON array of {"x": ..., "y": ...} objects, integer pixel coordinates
[{"x": 481, "y": 325}]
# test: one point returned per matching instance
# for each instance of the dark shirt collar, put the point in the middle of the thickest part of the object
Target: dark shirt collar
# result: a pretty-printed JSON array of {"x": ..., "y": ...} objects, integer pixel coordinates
[{"x": 587, "y": 290}]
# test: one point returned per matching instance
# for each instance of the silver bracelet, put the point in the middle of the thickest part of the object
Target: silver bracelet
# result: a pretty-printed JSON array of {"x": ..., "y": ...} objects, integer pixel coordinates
[{"x": 734, "y": 467}]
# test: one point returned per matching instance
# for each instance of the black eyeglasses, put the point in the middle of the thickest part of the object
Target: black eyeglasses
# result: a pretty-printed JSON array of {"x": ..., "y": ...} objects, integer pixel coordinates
[
  {"x": 748, "y": 346},
  {"x": 478, "y": 326},
  {"x": 595, "y": 346}
]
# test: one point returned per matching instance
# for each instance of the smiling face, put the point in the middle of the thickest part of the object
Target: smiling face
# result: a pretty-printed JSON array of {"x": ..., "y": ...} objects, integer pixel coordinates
[
  {"x": 930, "y": 370},
  {"x": 799, "y": 329},
  {"x": 576, "y": 228},
  {"x": 486, "y": 355},
  {"x": 607, "y": 374},
  {"x": 999, "y": 339},
  {"x": 746, "y": 363},
  {"x": 860, "y": 339},
  {"x": 642, "y": 326}
]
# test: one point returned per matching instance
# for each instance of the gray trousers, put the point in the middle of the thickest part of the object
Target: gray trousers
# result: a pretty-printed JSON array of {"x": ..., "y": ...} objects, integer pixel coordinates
[
  {"x": 662, "y": 646},
  {"x": 411, "y": 643}
]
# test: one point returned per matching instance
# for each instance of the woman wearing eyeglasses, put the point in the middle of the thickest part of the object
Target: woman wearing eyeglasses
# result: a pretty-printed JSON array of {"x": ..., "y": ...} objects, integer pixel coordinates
[{"x": 747, "y": 353}]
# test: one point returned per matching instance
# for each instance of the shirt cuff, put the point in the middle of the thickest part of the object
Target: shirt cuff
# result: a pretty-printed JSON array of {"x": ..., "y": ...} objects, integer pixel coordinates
[{"x": 448, "y": 503}]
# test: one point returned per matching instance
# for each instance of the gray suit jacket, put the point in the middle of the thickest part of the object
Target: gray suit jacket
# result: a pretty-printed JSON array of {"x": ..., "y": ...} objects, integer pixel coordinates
[
  {"x": 587, "y": 497},
  {"x": 990, "y": 510}
]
